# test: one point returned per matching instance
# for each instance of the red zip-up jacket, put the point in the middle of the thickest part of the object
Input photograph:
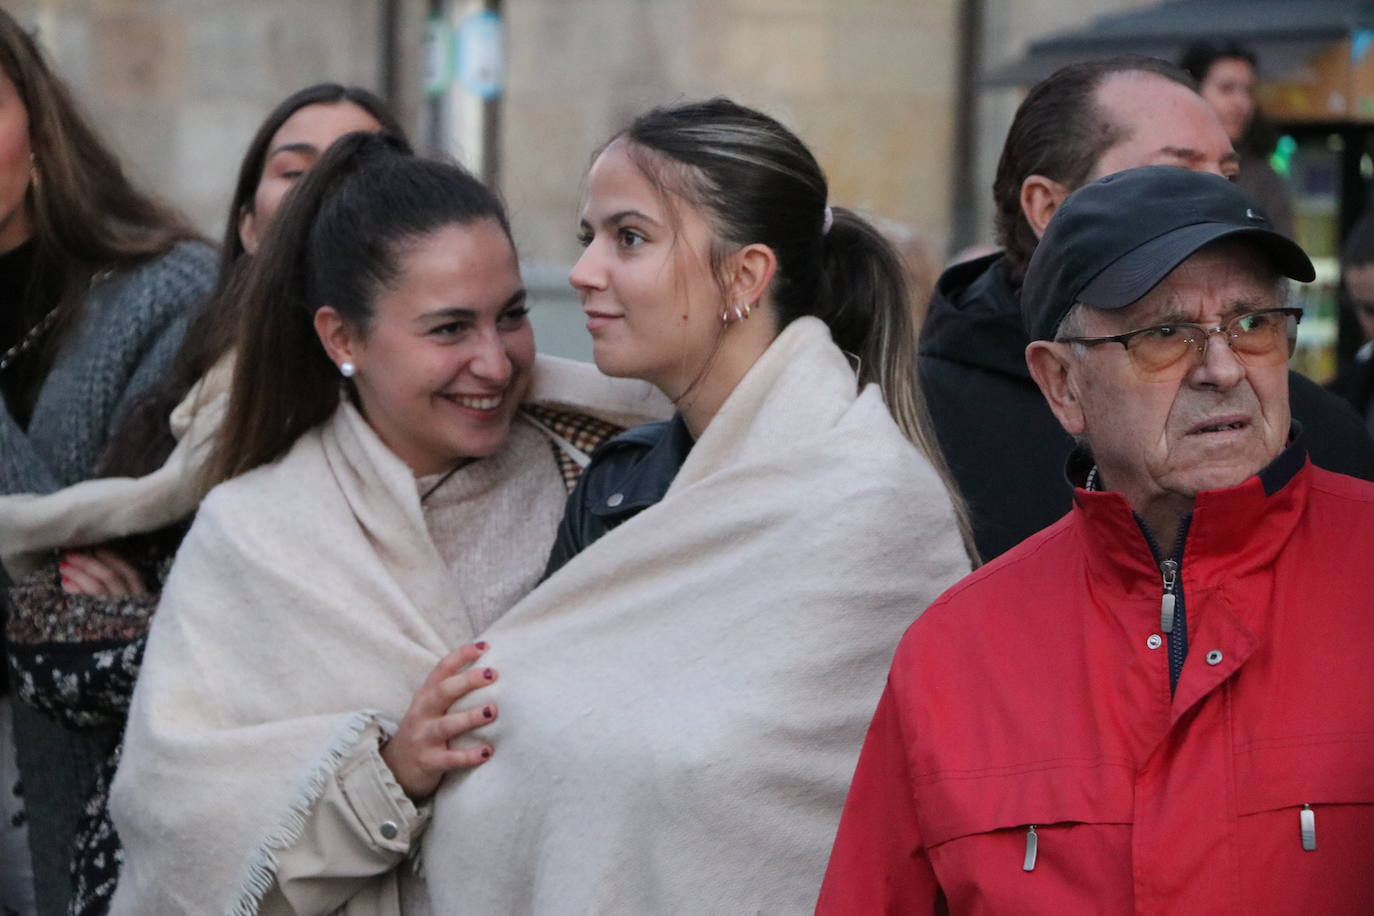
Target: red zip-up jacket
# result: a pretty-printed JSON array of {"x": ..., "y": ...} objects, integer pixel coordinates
[{"x": 1027, "y": 756}]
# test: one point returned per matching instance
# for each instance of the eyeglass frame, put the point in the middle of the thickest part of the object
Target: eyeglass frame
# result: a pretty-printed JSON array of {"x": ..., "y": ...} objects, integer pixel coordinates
[{"x": 1124, "y": 339}]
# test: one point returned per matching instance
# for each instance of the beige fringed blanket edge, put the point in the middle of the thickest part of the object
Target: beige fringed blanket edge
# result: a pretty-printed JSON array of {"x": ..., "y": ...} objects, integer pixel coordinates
[
  {"x": 705, "y": 672},
  {"x": 100, "y": 510},
  {"x": 306, "y": 602}
]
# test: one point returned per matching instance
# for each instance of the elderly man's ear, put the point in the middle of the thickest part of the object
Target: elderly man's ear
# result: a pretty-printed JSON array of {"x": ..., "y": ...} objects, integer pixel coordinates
[
  {"x": 1051, "y": 366},
  {"x": 1040, "y": 197}
]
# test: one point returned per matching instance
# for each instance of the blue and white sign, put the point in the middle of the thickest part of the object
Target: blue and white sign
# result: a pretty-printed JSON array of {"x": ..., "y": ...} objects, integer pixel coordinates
[{"x": 480, "y": 54}]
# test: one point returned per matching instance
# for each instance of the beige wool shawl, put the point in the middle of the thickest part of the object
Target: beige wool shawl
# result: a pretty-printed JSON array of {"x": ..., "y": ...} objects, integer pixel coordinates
[
  {"x": 682, "y": 705},
  {"x": 307, "y": 602},
  {"x": 103, "y": 509}
]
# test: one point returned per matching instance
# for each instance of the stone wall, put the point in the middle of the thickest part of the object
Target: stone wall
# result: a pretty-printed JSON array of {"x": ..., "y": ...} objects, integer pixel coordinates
[
  {"x": 179, "y": 86},
  {"x": 868, "y": 84}
]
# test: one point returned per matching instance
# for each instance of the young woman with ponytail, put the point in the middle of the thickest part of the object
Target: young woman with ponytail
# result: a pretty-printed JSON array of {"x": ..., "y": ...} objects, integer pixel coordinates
[
  {"x": 684, "y": 697},
  {"x": 391, "y": 469}
]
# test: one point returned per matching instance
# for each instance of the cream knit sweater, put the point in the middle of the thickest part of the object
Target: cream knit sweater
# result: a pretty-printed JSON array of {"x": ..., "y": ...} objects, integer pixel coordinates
[{"x": 494, "y": 523}]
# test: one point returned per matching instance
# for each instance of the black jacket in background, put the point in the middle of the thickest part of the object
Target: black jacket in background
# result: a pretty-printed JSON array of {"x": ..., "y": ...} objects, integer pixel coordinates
[
  {"x": 1004, "y": 446},
  {"x": 1356, "y": 384}
]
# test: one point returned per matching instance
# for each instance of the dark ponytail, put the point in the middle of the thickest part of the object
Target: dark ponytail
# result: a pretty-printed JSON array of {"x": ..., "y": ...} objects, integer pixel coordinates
[
  {"x": 760, "y": 184},
  {"x": 144, "y": 438},
  {"x": 335, "y": 242}
]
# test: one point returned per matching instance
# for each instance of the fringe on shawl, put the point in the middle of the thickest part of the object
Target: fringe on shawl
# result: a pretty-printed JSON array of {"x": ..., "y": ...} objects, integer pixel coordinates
[{"x": 262, "y": 870}]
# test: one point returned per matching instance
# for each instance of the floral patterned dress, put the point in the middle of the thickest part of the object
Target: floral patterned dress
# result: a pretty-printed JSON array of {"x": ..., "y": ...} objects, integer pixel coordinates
[{"x": 75, "y": 658}]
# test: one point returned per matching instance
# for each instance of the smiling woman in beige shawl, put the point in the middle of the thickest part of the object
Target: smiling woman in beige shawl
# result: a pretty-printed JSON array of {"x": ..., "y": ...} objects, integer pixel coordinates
[
  {"x": 683, "y": 701},
  {"x": 290, "y": 719}
]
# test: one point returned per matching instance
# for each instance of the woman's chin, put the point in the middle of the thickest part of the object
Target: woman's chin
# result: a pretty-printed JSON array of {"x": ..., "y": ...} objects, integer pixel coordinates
[
  {"x": 481, "y": 445},
  {"x": 611, "y": 361}
]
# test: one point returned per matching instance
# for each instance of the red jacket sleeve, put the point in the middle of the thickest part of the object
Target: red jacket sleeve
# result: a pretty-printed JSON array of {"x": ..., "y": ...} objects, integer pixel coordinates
[{"x": 878, "y": 864}]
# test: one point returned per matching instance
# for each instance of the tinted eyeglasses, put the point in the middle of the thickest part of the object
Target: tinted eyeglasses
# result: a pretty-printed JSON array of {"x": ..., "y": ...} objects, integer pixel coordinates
[{"x": 1162, "y": 353}]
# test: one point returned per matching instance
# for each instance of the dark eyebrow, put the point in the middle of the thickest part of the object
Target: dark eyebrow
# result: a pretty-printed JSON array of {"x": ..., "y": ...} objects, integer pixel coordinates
[
  {"x": 458, "y": 313},
  {"x": 617, "y": 218},
  {"x": 1191, "y": 155},
  {"x": 620, "y": 216},
  {"x": 1180, "y": 152},
  {"x": 293, "y": 148}
]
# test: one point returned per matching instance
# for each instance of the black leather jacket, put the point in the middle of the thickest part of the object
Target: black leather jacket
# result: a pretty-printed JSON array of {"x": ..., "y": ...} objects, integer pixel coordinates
[{"x": 627, "y": 475}]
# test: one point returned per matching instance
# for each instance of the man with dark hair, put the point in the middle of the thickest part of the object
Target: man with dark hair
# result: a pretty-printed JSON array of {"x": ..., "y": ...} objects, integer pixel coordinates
[
  {"x": 1160, "y": 703},
  {"x": 1070, "y": 121},
  {"x": 1356, "y": 383},
  {"x": 1003, "y": 445}
]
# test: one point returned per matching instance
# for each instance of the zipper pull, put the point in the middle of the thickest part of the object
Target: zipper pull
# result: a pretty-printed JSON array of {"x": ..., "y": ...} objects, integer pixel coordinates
[
  {"x": 1169, "y": 569},
  {"x": 1032, "y": 846},
  {"x": 1307, "y": 822}
]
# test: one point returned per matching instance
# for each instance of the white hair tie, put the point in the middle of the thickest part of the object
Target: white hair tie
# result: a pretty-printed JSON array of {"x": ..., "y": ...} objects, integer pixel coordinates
[{"x": 828, "y": 221}]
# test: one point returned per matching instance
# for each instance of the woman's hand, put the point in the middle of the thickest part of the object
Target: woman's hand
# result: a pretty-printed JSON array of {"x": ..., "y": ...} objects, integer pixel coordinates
[
  {"x": 418, "y": 754},
  {"x": 99, "y": 572}
]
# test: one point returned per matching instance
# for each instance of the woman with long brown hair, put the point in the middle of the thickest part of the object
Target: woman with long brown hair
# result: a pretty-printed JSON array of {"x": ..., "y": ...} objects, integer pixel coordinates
[
  {"x": 394, "y": 461},
  {"x": 96, "y": 281},
  {"x": 78, "y": 624}
]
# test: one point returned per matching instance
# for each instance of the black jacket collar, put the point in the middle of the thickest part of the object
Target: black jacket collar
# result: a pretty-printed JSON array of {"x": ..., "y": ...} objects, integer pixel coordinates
[
  {"x": 653, "y": 454},
  {"x": 975, "y": 319}
]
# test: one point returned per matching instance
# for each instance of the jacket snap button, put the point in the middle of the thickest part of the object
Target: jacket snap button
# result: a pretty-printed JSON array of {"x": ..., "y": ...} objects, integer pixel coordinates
[
  {"x": 615, "y": 500},
  {"x": 389, "y": 830},
  {"x": 1154, "y": 642},
  {"x": 1214, "y": 657}
]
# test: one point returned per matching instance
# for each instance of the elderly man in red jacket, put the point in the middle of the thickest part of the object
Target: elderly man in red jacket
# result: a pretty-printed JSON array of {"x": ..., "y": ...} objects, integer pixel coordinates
[{"x": 1164, "y": 702}]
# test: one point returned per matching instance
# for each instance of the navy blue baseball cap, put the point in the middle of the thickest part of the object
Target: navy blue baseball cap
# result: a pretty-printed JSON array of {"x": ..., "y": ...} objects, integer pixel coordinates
[{"x": 1112, "y": 241}]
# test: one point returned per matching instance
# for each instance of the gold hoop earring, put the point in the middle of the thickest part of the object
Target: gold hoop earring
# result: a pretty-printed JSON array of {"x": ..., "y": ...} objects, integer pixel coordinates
[{"x": 33, "y": 170}]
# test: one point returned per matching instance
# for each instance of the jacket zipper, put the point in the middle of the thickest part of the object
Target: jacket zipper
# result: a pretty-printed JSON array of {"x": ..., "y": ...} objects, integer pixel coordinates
[
  {"x": 1170, "y": 600},
  {"x": 1032, "y": 849},
  {"x": 1169, "y": 570},
  {"x": 1307, "y": 825}
]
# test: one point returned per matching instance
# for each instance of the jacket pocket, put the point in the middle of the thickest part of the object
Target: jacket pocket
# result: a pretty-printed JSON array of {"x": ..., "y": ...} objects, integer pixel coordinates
[
  {"x": 1305, "y": 825},
  {"x": 1052, "y": 838}
]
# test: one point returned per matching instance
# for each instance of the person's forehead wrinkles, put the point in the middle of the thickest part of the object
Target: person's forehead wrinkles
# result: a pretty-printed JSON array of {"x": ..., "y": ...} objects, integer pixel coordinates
[{"x": 1192, "y": 301}]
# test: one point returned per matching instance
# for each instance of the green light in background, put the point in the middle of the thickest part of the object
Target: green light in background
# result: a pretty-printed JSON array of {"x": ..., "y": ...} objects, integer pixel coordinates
[{"x": 1281, "y": 160}]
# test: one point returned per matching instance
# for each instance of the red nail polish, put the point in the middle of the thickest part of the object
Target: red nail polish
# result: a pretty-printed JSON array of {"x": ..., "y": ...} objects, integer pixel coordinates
[
  {"x": 481, "y": 645},
  {"x": 489, "y": 674},
  {"x": 63, "y": 565},
  {"x": 487, "y": 713},
  {"x": 486, "y": 753}
]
